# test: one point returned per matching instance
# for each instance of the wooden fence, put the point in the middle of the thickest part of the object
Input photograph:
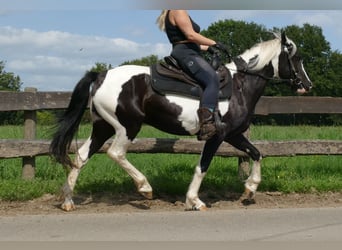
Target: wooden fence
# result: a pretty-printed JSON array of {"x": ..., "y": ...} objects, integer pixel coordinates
[{"x": 31, "y": 101}]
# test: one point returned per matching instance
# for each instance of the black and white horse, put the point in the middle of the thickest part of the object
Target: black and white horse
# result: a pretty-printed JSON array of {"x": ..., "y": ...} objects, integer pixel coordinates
[{"x": 122, "y": 99}]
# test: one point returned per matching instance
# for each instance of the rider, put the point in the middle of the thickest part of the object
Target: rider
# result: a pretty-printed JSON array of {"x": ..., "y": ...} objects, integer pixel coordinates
[{"x": 187, "y": 42}]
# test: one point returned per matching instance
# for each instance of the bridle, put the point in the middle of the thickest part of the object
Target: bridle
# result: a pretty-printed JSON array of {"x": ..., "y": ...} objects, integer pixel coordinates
[{"x": 294, "y": 79}]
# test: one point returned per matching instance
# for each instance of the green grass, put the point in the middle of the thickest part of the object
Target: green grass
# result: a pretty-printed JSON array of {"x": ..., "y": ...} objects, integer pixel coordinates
[
  {"x": 171, "y": 174},
  {"x": 295, "y": 132}
]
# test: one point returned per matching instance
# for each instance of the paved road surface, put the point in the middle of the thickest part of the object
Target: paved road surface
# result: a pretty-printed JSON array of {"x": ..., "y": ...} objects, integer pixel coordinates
[{"x": 305, "y": 224}]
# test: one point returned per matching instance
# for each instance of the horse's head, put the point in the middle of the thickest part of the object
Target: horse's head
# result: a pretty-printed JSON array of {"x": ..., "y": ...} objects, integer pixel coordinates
[{"x": 290, "y": 65}]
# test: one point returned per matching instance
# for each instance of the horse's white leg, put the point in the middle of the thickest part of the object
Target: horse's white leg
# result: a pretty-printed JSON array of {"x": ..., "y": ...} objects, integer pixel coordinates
[
  {"x": 192, "y": 201},
  {"x": 253, "y": 181},
  {"x": 68, "y": 188},
  {"x": 117, "y": 152}
]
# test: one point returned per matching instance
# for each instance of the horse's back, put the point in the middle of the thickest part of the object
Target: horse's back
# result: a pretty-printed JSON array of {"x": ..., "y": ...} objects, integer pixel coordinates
[
  {"x": 122, "y": 74},
  {"x": 116, "y": 78}
]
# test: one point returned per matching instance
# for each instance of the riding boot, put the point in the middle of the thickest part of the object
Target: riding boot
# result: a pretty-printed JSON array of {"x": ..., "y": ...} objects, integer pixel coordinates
[{"x": 207, "y": 124}]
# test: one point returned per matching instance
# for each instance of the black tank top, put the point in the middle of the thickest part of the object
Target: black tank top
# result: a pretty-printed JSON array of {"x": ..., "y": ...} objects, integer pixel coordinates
[{"x": 174, "y": 34}]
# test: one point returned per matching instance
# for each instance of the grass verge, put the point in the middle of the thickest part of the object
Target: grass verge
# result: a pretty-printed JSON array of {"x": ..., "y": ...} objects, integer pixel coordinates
[{"x": 171, "y": 174}]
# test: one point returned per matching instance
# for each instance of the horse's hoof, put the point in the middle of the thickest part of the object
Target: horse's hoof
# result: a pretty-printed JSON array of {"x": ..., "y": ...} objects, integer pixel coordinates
[
  {"x": 68, "y": 207},
  {"x": 248, "y": 197},
  {"x": 202, "y": 208},
  {"x": 148, "y": 195},
  {"x": 249, "y": 194}
]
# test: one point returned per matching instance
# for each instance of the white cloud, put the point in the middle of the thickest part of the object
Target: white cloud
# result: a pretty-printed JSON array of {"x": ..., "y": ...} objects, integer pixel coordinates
[{"x": 55, "y": 60}]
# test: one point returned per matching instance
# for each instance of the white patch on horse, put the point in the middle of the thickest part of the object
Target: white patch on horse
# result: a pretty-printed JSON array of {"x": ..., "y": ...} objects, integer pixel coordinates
[
  {"x": 82, "y": 154},
  {"x": 192, "y": 200},
  {"x": 189, "y": 117},
  {"x": 303, "y": 70},
  {"x": 223, "y": 107}
]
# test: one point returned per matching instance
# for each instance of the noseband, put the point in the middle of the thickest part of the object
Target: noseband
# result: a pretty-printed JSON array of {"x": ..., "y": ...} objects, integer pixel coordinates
[{"x": 294, "y": 79}]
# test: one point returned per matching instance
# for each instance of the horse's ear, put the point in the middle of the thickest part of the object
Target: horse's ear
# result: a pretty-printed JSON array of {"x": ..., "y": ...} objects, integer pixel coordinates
[
  {"x": 276, "y": 35},
  {"x": 283, "y": 37}
]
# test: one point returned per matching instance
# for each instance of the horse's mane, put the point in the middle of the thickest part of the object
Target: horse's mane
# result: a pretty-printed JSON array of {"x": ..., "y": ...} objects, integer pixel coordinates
[{"x": 261, "y": 54}]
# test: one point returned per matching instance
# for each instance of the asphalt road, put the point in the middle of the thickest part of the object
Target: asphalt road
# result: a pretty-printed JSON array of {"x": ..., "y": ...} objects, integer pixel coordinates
[{"x": 304, "y": 224}]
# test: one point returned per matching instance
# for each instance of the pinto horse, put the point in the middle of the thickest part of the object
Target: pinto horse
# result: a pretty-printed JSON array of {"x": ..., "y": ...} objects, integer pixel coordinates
[{"x": 122, "y": 100}]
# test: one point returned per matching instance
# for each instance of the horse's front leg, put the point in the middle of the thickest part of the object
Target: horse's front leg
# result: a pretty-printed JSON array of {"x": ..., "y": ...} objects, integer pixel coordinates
[
  {"x": 193, "y": 202},
  {"x": 254, "y": 179}
]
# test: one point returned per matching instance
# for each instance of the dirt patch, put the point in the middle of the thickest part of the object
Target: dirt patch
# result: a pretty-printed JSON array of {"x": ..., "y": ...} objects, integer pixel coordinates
[{"x": 50, "y": 204}]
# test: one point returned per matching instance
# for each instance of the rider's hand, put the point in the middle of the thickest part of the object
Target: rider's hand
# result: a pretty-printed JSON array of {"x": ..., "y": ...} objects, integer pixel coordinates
[
  {"x": 220, "y": 46},
  {"x": 211, "y": 49}
]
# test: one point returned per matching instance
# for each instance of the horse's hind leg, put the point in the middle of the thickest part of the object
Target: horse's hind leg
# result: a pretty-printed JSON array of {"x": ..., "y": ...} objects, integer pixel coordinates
[
  {"x": 117, "y": 152},
  {"x": 101, "y": 132}
]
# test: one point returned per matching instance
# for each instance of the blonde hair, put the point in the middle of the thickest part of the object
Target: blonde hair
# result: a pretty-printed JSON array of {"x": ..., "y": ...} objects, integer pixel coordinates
[{"x": 161, "y": 20}]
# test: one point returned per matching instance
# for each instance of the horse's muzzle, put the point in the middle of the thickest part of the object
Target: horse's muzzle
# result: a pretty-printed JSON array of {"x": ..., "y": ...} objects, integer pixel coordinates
[{"x": 302, "y": 88}]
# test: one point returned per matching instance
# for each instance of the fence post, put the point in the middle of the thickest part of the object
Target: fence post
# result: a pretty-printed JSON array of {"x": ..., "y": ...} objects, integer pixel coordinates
[
  {"x": 244, "y": 167},
  {"x": 29, "y": 163}
]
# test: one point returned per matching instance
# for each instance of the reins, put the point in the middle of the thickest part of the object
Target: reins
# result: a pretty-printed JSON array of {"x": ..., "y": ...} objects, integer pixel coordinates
[{"x": 280, "y": 80}]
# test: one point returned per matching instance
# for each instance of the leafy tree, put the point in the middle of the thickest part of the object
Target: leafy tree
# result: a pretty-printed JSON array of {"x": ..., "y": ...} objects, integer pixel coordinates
[
  {"x": 238, "y": 36},
  {"x": 9, "y": 82},
  {"x": 100, "y": 67},
  {"x": 145, "y": 61},
  {"x": 334, "y": 75}
]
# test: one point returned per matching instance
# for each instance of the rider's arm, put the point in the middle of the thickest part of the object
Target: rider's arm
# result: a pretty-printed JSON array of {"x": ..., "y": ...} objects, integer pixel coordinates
[{"x": 181, "y": 19}]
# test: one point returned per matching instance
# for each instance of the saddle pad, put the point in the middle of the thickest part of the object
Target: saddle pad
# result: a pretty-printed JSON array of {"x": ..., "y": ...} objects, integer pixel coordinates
[{"x": 167, "y": 85}]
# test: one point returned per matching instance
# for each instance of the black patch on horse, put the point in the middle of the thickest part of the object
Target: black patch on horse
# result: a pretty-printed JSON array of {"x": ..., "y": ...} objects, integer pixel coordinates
[{"x": 167, "y": 79}]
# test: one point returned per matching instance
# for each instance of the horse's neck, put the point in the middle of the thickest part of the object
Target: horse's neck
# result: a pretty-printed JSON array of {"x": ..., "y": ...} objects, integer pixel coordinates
[{"x": 250, "y": 86}]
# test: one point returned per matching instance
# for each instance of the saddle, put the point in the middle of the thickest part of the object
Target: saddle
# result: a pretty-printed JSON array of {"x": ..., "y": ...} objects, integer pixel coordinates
[{"x": 168, "y": 78}]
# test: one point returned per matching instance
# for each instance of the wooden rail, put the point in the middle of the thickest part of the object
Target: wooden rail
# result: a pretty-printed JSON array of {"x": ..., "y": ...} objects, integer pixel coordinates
[
  {"x": 14, "y": 101},
  {"x": 30, "y": 148},
  {"x": 31, "y": 101}
]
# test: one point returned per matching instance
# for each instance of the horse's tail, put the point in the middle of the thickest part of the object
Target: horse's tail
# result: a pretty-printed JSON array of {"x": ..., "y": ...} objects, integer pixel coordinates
[{"x": 69, "y": 122}]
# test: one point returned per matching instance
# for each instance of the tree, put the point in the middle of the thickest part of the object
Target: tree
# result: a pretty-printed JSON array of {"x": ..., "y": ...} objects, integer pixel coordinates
[
  {"x": 100, "y": 67},
  {"x": 334, "y": 75},
  {"x": 238, "y": 36},
  {"x": 9, "y": 82},
  {"x": 145, "y": 61}
]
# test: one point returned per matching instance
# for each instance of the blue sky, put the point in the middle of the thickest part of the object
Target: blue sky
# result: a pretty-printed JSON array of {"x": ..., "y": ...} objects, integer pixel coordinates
[{"x": 50, "y": 44}]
